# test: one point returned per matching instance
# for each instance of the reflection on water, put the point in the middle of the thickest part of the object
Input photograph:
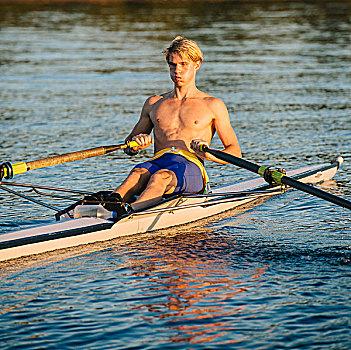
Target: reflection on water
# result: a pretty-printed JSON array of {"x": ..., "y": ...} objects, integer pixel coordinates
[
  {"x": 177, "y": 283},
  {"x": 74, "y": 76},
  {"x": 192, "y": 291}
]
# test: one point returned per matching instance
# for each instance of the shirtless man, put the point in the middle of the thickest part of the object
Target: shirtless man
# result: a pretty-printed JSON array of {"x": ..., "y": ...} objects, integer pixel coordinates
[{"x": 181, "y": 120}]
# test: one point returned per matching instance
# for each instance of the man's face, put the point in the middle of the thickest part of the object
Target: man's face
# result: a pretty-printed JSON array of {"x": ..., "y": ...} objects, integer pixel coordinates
[{"x": 182, "y": 69}]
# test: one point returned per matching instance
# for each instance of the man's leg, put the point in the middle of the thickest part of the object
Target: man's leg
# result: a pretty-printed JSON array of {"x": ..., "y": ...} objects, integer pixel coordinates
[
  {"x": 159, "y": 183},
  {"x": 134, "y": 184}
]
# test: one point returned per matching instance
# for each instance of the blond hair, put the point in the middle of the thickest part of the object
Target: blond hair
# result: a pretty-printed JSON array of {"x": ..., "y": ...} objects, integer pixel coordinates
[{"x": 184, "y": 47}]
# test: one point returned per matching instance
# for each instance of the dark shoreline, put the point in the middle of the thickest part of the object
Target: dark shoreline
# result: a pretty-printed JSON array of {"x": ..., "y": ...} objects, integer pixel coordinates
[{"x": 39, "y": 2}]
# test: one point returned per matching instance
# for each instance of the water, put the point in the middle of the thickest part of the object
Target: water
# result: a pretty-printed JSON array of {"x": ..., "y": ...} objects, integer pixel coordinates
[{"x": 277, "y": 276}]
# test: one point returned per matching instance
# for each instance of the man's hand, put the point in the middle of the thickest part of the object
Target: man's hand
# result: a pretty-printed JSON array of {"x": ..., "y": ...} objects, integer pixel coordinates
[
  {"x": 195, "y": 146},
  {"x": 144, "y": 141}
]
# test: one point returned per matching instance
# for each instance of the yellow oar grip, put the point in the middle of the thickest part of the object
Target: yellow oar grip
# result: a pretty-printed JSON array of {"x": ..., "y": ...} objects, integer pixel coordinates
[
  {"x": 8, "y": 170},
  {"x": 132, "y": 144}
]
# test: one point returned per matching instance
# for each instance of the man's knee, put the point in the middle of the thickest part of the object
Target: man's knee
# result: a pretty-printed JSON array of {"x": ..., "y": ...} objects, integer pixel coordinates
[
  {"x": 135, "y": 181},
  {"x": 164, "y": 176}
]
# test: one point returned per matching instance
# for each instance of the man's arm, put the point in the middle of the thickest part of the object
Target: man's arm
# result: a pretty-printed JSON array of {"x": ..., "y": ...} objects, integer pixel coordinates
[
  {"x": 224, "y": 130},
  {"x": 142, "y": 129}
]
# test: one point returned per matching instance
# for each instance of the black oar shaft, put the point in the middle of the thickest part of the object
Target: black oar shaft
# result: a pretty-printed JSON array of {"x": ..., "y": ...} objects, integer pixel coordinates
[
  {"x": 286, "y": 180},
  {"x": 281, "y": 178}
]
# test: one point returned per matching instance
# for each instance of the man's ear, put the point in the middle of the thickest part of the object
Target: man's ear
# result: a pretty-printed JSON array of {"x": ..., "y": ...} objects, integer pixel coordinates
[{"x": 197, "y": 65}]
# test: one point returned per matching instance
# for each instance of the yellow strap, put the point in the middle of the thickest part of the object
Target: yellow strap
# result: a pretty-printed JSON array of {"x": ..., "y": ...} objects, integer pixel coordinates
[{"x": 189, "y": 156}]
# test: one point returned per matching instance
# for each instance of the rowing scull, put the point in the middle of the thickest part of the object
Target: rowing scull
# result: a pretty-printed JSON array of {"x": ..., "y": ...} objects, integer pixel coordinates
[{"x": 170, "y": 212}]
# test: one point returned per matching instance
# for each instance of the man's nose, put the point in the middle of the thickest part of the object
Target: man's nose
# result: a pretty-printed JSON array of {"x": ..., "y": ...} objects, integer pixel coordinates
[{"x": 178, "y": 68}]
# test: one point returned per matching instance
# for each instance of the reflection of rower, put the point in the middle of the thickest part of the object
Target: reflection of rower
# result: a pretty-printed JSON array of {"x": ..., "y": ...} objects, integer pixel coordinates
[{"x": 201, "y": 297}]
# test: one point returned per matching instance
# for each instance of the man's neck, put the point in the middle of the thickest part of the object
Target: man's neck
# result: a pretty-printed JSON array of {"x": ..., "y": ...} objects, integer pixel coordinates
[{"x": 182, "y": 92}]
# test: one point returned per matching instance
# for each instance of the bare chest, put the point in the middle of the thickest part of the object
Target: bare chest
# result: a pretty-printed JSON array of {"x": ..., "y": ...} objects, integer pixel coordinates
[{"x": 181, "y": 115}]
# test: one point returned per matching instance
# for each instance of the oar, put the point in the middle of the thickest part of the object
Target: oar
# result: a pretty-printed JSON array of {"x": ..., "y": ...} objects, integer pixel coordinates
[
  {"x": 8, "y": 170},
  {"x": 275, "y": 176}
]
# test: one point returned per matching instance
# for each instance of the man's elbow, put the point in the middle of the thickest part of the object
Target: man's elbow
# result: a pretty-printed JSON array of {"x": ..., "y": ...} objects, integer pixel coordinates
[{"x": 236, "y": 151}]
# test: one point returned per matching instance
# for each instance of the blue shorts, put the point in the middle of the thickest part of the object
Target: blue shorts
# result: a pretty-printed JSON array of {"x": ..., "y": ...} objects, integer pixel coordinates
[{"x": 189, "y": 175}]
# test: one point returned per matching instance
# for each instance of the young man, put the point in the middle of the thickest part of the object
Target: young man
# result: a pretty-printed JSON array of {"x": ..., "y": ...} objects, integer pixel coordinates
[{"x": 181, "y": 120}]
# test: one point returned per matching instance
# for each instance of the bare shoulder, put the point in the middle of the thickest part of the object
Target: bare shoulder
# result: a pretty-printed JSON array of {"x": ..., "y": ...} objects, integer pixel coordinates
[
  {"x": 153, "y": 99},
  {"x": 156, "y": 98},
  {"x": 216, "y": 105}
]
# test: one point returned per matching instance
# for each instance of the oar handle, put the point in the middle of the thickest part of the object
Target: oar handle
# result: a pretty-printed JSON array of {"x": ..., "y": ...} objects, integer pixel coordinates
[
  {"x": 272, "y": 175},
  {"x": 8, "y": 170}
]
